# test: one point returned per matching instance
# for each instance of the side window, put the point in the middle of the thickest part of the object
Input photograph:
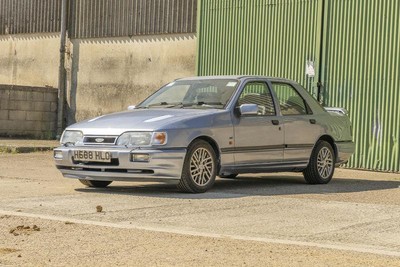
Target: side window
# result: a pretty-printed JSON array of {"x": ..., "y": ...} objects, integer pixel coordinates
[
  {"x": 290, "y": 101},
  {"x": 259, "y": 94}
]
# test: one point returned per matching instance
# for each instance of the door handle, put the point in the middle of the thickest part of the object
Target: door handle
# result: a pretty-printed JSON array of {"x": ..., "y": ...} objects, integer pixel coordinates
[
  {"x": 313, "y": 121},
  {"x": 275, "y": 122}
]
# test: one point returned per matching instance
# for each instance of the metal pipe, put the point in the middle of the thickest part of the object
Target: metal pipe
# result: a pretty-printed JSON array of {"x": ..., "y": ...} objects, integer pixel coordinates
[
  {"x": 62, "y": 71},
  {"x": 320, "y": 84}
]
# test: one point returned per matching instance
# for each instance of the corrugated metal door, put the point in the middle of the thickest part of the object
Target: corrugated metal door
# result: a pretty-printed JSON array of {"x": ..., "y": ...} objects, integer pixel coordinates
[
  {"x": 259, "y": 37},
  {"x": 362, "y": 59},
  {"x": 353, "y": 45}
]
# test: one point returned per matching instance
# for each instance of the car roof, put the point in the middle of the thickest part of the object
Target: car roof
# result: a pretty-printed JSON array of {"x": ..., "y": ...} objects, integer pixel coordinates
[{"x": 235, "y": 77}]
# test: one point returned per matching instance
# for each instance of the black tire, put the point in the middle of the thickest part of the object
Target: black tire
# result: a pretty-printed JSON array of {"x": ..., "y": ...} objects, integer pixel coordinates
[
  {"x": 228, "y": 176},
  {"x": 324, "y": 173},
  {"x": 97, "y": 184},
  {"x": 202, "y": 178}
]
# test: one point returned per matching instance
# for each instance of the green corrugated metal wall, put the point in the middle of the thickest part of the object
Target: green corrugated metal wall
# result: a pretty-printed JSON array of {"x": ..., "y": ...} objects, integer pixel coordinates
[
  {"x": 354, "y": 43},
  {"x": 258, "y": 37},
  {"x": 362, "y": 52}
]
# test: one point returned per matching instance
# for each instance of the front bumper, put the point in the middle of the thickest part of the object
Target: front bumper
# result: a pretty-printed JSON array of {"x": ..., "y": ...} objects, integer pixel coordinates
[{"x": 165, "y": 165}]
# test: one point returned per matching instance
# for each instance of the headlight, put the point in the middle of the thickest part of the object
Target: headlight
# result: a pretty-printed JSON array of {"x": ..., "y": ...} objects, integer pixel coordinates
[
  {"x": 71, "y": 137},
  {"x": 135, "y": 139},
  {"x": 142, "y": 139}
]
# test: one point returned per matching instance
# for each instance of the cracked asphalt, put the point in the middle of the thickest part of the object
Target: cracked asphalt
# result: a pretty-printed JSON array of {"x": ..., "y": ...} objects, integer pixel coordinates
[{"x": 254, "y": 220}]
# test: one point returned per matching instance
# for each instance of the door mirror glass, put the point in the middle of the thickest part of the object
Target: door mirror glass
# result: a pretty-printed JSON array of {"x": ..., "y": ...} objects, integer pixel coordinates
[
  {"x": 248, "y": 109},
  {"x": 131, "y": 107}
]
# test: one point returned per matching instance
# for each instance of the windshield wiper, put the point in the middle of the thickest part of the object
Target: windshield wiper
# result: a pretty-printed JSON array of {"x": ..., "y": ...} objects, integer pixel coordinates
[
  {"x": 164, "y": 104},
  {"x": 202, "y": 103}
]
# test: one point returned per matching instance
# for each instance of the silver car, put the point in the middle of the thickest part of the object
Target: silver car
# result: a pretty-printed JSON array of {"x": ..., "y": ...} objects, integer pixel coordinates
[{"x": 194, "y": 129}]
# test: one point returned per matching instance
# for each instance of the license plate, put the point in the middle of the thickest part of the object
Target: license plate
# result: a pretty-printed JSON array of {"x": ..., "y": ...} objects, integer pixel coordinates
[{"x": 94, "y": 156}]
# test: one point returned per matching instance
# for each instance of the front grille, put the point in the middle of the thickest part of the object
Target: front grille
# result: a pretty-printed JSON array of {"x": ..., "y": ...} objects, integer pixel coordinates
[
  {"x": 114, "y": 162},
  {"x": 99, "y": 140},
  {"x": 136, "y": 171}
]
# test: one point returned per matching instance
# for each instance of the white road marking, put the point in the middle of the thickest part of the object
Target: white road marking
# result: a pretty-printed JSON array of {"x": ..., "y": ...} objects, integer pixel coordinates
[{"x": 343, "y": 247}]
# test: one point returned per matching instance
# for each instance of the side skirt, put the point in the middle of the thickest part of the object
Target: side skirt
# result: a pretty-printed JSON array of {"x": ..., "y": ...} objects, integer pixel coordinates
[{"x": 295, "y": 166}]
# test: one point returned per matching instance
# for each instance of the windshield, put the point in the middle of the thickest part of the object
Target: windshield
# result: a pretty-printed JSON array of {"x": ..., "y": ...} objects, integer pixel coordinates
[{"x": 208, "y": 93}]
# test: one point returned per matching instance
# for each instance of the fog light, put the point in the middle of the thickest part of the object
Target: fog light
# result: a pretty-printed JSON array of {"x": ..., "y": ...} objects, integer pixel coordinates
[
  {"x": 58, "y": 154},
  {"x": 140, "y": 157}
]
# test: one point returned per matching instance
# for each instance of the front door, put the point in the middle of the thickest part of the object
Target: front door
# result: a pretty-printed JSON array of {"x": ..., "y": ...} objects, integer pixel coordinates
[{"x": 258, "y": 138}]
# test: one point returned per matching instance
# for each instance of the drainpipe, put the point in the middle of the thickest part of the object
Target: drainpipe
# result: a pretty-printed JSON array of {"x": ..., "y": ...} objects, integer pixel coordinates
[
  {"x": 320, "y": 84},
  {"x": 62, "y": 71}
]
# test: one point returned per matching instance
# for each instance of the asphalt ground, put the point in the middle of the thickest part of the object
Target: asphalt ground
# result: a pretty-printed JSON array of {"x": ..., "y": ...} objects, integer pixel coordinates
[{"x": 254, "y": 220}]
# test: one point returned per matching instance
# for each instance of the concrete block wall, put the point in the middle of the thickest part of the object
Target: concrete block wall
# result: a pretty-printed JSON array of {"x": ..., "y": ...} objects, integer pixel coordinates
[
  {"x": 30, "y": 59},
  {"x": 109, "y": 74},
  {"x": 28, "y": 111},
  {"x": 104, "y": 75}
]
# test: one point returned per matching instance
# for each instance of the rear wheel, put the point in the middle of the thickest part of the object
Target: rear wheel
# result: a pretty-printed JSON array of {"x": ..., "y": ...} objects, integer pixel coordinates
[
  {"x": 92, "y": 183},
  {"x": 199, "y": 168},
  {"x": 322, "y": 164}
]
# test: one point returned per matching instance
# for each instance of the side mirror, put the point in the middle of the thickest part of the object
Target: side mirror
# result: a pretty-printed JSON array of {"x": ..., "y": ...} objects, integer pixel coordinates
[
  {"x": 131, "y": 107},
  {"x": 248, "y": 109}
]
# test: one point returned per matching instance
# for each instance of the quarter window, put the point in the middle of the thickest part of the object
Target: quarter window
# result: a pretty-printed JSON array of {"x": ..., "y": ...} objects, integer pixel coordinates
[
  {"x": 259, "y": 94},
  {"x": 290, "y": 101}
]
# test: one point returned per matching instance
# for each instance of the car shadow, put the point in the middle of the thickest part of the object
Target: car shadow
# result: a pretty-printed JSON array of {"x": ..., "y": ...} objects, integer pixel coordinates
[{"x": 250, "y": 186}]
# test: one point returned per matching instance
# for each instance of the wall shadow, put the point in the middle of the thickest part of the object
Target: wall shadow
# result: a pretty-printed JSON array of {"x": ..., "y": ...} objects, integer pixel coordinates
[
  {"x": 137, "y": 39},
  {"x": 30, "y": 36}
]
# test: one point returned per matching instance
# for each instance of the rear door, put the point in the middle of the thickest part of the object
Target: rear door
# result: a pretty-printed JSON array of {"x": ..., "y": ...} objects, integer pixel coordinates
[
  {"x": 258, "y": 138},
  {"x": 301, "y": 129}
]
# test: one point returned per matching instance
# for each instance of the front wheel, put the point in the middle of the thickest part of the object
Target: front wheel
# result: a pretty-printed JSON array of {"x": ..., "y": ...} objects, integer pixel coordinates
[
  {"x": 199, "y": 168},
  {"x": 97, "y": 184},
  {"x": 322, "y": 164}
]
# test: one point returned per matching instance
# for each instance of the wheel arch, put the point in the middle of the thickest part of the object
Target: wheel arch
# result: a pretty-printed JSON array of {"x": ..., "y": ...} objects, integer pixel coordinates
[
  {"x": 214, "y": 145},
  {"x": 331, "y": 141}
]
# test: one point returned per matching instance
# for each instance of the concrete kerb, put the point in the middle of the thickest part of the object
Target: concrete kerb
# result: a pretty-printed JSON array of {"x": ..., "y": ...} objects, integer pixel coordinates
[
  {"x": 18, "y": 150},
  {"x": 26, "y": 146}
]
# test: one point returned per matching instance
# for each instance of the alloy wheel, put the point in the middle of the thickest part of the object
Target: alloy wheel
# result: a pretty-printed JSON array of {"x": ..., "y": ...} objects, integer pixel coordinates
[
  {"x": 325, "y": 163},
  {"x": 201, "y": 166}
]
